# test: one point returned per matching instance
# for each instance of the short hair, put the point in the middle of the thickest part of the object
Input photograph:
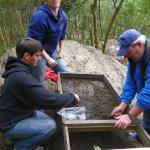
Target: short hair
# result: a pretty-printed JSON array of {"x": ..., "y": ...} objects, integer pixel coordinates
[{"x": 28, "y": 45}]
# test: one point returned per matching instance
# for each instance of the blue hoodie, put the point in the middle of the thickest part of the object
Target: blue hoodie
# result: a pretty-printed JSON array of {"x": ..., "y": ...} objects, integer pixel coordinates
[
  {"x": 136, "y": 88},
  {"x": 47, "y": 28}
]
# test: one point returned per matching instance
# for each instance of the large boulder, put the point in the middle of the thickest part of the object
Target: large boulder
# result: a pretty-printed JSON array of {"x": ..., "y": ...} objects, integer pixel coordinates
[{"x": 84, "y": 59}]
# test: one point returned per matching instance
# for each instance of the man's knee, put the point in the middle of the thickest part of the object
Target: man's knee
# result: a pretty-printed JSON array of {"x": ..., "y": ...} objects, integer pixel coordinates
[
  {"x": 61, "y": 68},
  {"x": 50, "y": 126}
]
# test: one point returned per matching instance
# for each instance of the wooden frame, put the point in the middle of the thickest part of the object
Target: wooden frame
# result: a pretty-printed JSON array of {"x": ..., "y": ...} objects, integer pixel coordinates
[
  {"x": 101, "y": 125},
  {"x": 86, "y": 76},
  {"x": 96, "y": 125},
  {"x": 62, "y": 76}
]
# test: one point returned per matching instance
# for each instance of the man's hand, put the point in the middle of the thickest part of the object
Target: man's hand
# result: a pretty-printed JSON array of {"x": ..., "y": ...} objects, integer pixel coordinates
[
  {"x": 51, "y": 62},
  {"x": 123, "y": 121},
  {"x": 119, "y": 109},
  {"x": 77, "y": 98},
  {"x": 59, "y": 55}
]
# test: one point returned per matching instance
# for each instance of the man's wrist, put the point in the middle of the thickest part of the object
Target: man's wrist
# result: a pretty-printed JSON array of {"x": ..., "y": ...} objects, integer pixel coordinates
[
  {"x": 131, "y": 116},
  {"x": 60, "y": 52},
  {"x": 123, "y": 105},
  {"x": 48, "y": 59}
]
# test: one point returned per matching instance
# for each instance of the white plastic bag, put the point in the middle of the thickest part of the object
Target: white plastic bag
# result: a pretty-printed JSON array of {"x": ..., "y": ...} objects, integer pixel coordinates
[{"x": 73, "y": 113}]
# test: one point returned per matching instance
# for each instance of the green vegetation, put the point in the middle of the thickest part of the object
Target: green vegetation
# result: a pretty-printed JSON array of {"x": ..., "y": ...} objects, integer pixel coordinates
[{"x": 89, "y": 21}]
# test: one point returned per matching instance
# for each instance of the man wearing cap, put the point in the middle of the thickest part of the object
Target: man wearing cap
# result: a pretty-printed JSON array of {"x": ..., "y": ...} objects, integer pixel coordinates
[{"x": 136, "y": 48}]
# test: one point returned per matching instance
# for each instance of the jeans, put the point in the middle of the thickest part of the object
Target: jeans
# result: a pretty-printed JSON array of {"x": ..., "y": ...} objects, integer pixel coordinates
[
  {"x": 40, "y": 69},
  {"x": 32, "y": 132}
]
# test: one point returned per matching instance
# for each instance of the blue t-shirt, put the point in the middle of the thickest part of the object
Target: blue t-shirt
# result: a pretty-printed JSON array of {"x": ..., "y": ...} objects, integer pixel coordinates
[{"x": 47, "y": 28}]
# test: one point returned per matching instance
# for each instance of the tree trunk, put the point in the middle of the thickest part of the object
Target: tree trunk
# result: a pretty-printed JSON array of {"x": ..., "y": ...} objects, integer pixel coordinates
[
  {"x": 91, "y": 36},
  {"x": 94, "y": 10},
  {"x": 111, "y": 24},
  {"x": 100, "y": 23}
]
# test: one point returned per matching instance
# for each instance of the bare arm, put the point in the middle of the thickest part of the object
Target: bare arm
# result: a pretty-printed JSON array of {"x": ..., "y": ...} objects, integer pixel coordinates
[
  {"x": 61, "y": 46},
  {"x": 135, "y": 111},
  {"x": 45, "y": 55},
  {"x": 48, "y": 59}
]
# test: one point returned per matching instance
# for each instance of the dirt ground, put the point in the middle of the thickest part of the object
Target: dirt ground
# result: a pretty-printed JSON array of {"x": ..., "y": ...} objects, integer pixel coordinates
[
  {"x": 105, "y": 140},
  {"x": 94, "y": 95}
]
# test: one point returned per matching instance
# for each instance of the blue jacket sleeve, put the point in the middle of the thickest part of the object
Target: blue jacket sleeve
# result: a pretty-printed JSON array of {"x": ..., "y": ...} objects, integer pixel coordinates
[
  {"x": 143, "y": 98},
  {"x": 64, "y": 31},
  {"x": 129, "y": 89},
  {"x": 37, "y": 26}
]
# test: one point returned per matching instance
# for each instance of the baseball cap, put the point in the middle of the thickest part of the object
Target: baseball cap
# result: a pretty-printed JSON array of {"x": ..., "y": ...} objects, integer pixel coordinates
[{"x": 126, "y": 39}]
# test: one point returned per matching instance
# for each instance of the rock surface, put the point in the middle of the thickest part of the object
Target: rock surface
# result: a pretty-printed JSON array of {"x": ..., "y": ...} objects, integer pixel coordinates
[{"x": 85, "y": 59}]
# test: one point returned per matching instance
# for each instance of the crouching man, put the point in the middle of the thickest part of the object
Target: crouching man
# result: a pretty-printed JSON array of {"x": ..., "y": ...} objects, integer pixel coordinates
[
  {"x": 135, "y": 47},
  {"x": 20, "y": 96}
]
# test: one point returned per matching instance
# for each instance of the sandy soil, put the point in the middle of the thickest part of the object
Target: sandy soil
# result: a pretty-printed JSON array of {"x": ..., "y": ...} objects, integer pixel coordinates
[
  {"x": 95, "y": 97},
  {"x": 105, "y": 140}
]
